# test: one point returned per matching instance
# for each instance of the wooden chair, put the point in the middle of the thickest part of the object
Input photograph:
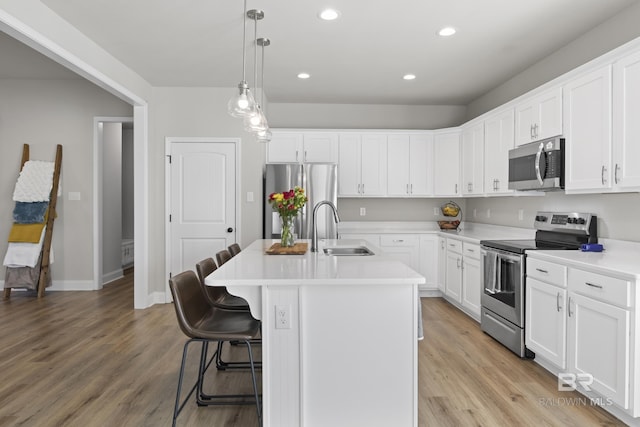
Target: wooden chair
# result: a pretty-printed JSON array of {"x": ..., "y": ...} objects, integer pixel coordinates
[{"x": 202, "y": 323}]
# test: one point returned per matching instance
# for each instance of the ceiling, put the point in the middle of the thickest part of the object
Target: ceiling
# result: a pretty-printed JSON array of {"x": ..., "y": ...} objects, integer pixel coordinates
[{"x": 358, "y": 58}]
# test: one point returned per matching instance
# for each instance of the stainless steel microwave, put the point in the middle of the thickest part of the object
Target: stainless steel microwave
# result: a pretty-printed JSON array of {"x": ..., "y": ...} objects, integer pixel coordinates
[{"x": 538, "y": 166}]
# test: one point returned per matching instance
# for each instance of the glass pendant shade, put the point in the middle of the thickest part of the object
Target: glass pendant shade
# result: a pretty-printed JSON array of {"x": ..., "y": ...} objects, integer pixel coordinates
[
  {"x": 264, "y": 136},
  {"x": 243, "y": 103},
  {"x": 256, "y": 121}
]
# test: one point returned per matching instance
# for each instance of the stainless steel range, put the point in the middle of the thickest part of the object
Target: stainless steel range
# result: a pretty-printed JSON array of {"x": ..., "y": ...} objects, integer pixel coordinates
[{"x": 503, "y": 270}]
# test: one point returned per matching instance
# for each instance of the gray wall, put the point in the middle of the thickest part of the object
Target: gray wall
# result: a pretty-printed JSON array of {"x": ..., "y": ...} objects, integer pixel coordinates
[
  {"x": 385, "y": 209},
  {"x": 111, "y": 201},
  {"x": 43, "y": 114},
  {"x": 610, "y": 34},
  {"x": 359, "y": 116},
  {"x": 127, "y": 182}
]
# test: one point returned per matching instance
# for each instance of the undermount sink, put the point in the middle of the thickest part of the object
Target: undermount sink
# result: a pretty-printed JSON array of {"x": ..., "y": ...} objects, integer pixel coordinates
[{"x": 348, "y": 251}]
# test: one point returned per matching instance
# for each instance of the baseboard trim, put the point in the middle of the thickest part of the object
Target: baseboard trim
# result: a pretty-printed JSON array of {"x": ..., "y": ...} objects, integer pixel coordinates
[
  {"x": 116, "y": 274},
  {"x": 66, "y": 285}
]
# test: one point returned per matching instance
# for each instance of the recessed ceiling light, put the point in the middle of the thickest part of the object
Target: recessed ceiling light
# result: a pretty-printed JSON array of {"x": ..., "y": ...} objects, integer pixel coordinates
[
  {"x": 409, "y": 76},
  {"x": 329, "y": 14},
  {"x": 447, "y": 31},
  {"x": 304, "y": 75}
]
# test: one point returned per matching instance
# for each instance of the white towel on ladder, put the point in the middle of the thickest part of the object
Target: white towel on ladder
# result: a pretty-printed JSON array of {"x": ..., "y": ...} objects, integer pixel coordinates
[{"x": 35, "y": 182}]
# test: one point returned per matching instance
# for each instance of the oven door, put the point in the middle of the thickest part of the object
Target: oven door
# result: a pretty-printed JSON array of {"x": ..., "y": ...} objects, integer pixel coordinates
[{"x": 503, "y": 284}]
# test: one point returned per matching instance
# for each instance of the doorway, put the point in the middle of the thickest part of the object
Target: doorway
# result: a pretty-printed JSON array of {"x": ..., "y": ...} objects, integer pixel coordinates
[
  {"x": 113, "y": 198},
  {"x": 201, "y": 190}
]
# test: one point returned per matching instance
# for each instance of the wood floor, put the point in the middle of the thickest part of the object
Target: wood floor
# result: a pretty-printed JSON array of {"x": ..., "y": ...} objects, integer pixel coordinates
[{"x": 90, "y": 359}]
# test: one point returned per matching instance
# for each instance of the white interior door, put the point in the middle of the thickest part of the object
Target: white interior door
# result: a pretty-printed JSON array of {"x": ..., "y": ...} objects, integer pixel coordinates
[{"x": 202, "y": 202}]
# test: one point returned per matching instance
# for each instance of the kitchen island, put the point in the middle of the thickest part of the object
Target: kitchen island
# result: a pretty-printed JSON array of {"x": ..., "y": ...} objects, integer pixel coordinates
[{"x": 339, "y": 334}]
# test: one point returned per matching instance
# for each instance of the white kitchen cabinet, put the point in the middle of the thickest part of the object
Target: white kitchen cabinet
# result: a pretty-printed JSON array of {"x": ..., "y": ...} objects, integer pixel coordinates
[
  {"x": 303, "y": 147},
  {"x": 362, "y": 165},
  {"x": 446, "y": 167},
  {"x": 587, "y": 129},
  {"x": 499, "y": 138},
  {"x": 429, "y": 261},
  {"x": 473, "y": 159},
  {"x": 409, "y": 165},
  {"x": 374, "y": 239},
  {"x": 127, "y": 253},
  {"x": 453, "y": 287},
  {"x": 471, "y": 281},
  {"x": 402, "y": 247},
  {"x": 442, "y": 263},
  {"x": 598, "y": 346},
  {"x": 539, "y": 116},
  {"x": 546, "y": 320},
  {"x": 626, "y": 126}
]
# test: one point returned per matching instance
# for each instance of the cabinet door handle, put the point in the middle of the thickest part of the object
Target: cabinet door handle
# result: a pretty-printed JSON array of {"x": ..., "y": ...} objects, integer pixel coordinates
[
  {"x": 410, "y": 188},
  {"x": 558, "y": 302},
  {"x": 456, "y": 189},
  {"x": 296, "y": 155},
  {"x": 362, "y": 188},
  {"x": 593, "y": 285},
  {"x": 531, "y": 131},
  {"x": 442, "y": 244},
  {"x": 615, "y": 174},
  {"x": 470, "y": 250},
  {"x": 497, "y": 184},
  {"x": 569, "y": 307},
  {"x": 305, "y": 155},
  {"x": 542, "y": 271},
  {"x": 458, "y": 262},
  {"x": 604, "y": 169},
  {"x": 407, "y": 189},
  {"x": 358, "y": 188},
  {"x": 462, "y": 265}
]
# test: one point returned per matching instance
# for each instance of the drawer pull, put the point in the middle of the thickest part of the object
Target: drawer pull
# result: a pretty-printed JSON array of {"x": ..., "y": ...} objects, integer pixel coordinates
[
  {"x": 593, "y": 285},
  {"x": 470, "y": 250},
  {"x": 542, "y": 271},
  {"x": 398, "y": 241},
  {"x": 558, "y": 302},
  {"x": 569, "y": 307}
]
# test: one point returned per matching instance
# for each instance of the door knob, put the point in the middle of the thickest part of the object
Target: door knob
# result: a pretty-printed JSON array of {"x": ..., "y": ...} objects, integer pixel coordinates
[{"x": 230, "y": 230}]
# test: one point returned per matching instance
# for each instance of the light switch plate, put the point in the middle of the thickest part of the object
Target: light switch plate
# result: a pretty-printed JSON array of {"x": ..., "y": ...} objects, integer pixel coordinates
[{"x": 74, "y": 195}]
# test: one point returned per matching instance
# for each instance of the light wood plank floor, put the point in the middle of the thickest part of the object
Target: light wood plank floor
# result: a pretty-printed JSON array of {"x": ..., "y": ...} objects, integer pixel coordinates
[{"x": 89, "y": 359}]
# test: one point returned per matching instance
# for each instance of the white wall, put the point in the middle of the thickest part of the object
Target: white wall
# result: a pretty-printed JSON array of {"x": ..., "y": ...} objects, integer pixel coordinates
[
  {"x": 43, "y": 114},
  {"x": 198, "y": 112},
  {"x": 111, "y": 201},
  {"x": 360, "y": 116}
]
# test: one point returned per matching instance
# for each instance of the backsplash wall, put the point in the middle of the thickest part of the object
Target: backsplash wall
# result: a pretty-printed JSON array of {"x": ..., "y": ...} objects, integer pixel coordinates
[
  {"x": 617, "y": 213},
  {"x": 393, "y": 209}
]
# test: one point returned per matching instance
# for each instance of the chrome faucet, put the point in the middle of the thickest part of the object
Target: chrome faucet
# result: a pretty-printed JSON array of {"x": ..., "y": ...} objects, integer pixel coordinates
[{"x": 314, "y": 239}]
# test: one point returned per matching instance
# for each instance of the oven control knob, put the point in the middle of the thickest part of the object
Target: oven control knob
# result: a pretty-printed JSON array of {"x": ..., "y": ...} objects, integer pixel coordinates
[
  {"x": 541, "y": 218},
  {"x": 581, "y": 221},
  {"x": 571, "y": 220}
]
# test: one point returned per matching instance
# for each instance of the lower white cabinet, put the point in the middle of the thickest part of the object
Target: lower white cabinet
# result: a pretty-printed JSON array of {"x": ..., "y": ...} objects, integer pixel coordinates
[
  {"x": 453, "y": 286},
  {"x": 598, "y": 346},
  {"x": 403, "y": 247},
  {"x": 471, "y": 284},
  {"x": 429, "y": 261},
  {"x": 442, "y": 263},
  {"x": 585, "y": 331},
  {"x": 546, "y": 320}
]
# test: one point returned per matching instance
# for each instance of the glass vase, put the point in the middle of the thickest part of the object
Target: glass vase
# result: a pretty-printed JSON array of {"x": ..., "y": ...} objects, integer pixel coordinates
[{"x": 288, "y": 229}]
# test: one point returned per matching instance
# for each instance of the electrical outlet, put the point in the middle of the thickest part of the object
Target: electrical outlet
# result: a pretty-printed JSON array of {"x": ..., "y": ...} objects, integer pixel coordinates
[
  {"x": 436, "y": 212},
  {"x": 488, "y": 213},
  {"x": 475, "y": 212},
  {"x": 520, "y": 214},
  {"x": 250, "y": 196},
  {"x": 283, "y": 317},
  {"x": 363, "y": 211}
]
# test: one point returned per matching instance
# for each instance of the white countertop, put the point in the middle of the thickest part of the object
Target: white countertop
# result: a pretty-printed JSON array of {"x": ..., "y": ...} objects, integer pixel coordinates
[
  {"x": 619, "y": 259},
  {"x": 252, "y": 266},
  {"x": 469, "y": 231}
]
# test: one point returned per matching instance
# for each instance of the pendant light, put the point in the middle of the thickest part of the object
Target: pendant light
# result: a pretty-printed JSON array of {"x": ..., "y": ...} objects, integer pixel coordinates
[
  {"x": 242, "y": 103},
  {"x": 263, "y": 135},
  {"x": 254, "y": 120}
]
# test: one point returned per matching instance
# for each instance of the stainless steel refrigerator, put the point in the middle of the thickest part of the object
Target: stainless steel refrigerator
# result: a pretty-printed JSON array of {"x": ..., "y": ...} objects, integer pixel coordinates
[{"x": 320, "y": 182}]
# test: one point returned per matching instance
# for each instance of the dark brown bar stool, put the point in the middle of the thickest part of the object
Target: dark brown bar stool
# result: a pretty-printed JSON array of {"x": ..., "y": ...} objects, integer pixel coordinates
[
  {"x": 222, "y": 257},
  {"x": 202, "y": 323},
  {"x": 234, "y": 249},
  {"x": 218, "y": 296}
]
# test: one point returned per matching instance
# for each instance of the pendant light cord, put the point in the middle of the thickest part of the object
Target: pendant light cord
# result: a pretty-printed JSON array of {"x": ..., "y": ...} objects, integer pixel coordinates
[
  {"x": 244, "y": 42},
  {"x": 255, "y": 59},
  {"x": 262, "y": 80}
]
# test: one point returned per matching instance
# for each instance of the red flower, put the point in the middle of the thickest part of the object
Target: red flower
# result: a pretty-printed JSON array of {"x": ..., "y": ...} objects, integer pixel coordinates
[{"x": 271, "y": 196}]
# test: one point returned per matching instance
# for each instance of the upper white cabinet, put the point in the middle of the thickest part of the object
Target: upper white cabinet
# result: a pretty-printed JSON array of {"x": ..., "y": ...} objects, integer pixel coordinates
[
  {"x": 626, "y": 123},
  {"x": 446, "y": 167},
  {"x": 587, "y": 129},
  {"x": 539, "y": 117},
  {"x": 473, "y": 159},
  {"x": 303, "y": 147},
  {"x": 409, "y": 165},
  {"x": 498, "y": 140},
  {"x": 362, "y": 165}
]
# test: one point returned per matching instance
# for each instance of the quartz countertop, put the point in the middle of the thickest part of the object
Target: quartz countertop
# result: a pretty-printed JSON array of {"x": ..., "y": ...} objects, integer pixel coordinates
[
  {"x": 619, "y": 259},
  {"x": 468, "y": 231},
  {"x": 252, "y": 266}
]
